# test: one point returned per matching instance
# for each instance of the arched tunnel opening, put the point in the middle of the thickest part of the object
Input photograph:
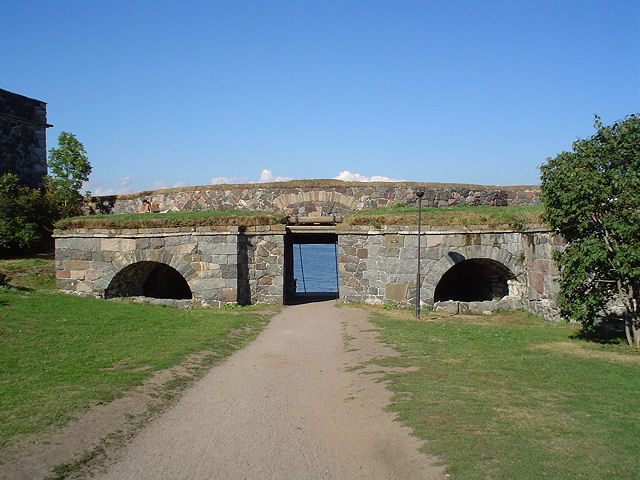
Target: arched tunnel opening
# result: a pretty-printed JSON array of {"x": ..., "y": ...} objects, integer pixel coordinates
[
  {"x": 149, "y": 279},
  {"x": 476, "y": 279}
]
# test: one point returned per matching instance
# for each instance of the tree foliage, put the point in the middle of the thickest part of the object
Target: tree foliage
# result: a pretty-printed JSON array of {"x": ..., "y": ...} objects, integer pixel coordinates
[
  {"x": 592, "y": 199},
  {"x": 26, "y": 215},
  {"x": 70, "y": 168}
]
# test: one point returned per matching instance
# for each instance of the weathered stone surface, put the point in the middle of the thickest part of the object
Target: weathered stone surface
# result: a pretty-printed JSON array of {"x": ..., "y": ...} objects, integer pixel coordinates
[
  {"x": 229, "y": 295},
  {"x": 23, "y": 148},
  {"x": 389, "y": 252},
  {"x": 448, "y": 306},
  {"x": 396, "y": 292},
  {"x": 393, "y": 241},
  {"x": 374, "y": 266},
  {"x": 536, "y": 281},
  {"x": 75, "y": 265},
  {"x": 312, "y": 200},
  {"x": 110, "y": 244}
]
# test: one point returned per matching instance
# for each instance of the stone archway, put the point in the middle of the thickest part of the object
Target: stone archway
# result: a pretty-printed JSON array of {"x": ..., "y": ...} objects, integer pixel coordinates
[
  {"x": 500, "y": 259},
  {"x": 149, "y": 279},
  {"x": 289, "y": 202},
  {"x": 474, "y": 280},
  {"x": 157, "y": 267}
]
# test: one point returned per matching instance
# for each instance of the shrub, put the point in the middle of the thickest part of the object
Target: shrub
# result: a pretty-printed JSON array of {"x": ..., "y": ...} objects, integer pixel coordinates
[{"x": 26, "y": 216}]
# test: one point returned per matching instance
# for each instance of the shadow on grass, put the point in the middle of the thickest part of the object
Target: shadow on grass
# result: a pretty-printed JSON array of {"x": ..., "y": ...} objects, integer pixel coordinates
[
  {"x": 610, "y": 333},
  {"x": 47, "y": 254},
  {"x": 19, "y": 289}
]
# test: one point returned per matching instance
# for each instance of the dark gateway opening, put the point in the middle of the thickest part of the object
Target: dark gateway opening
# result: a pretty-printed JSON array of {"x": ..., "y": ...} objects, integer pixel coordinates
[
  {"x": 477, "y": 279},
  {"x": 311, "y": 267},
  {"x": 149, "y": 279}
]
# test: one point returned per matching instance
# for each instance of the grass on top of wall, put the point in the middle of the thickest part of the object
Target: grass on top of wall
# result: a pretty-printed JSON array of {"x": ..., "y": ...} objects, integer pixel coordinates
[
  {"x": 516, "y": 216},
  {"x": 513, "y": 396},
  {"x": 192, "y": 218}
]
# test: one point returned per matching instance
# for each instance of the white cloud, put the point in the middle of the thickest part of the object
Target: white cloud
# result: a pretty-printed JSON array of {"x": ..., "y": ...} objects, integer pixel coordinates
[
  {"x": 108, "y": 186},
  {"x": 228, "y": 180},
  {"x": 347, "y": 176},
  {"x": 267, "y": 176},
  {"x": 99, "y": 192},
  {"x": 158, "y": 185},
  {"x": 123, "y": 181},
  {"x": 162, "y": 185}
]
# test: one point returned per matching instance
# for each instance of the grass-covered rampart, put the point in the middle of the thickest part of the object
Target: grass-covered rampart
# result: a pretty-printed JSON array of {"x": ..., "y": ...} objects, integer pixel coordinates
[
  {"x": 516, "y": 217},
  {"x": 194, "y": 218}
]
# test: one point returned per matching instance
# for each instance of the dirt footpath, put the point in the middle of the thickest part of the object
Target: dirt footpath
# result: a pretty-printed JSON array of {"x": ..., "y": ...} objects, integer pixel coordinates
[{"x": 285, "y": 407}]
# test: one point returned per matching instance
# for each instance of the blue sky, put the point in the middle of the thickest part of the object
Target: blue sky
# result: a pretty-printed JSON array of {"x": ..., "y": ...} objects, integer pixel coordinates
[{"x": 167, "y": 93}]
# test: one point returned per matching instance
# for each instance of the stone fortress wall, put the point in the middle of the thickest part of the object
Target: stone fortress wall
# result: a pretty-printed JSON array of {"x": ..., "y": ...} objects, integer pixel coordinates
[
  {"x": 376, "y": 265},
  {"x": 247, "y": 265},
  {"x": 23, "y": 142},
  {"x": 305, "y": 199}
]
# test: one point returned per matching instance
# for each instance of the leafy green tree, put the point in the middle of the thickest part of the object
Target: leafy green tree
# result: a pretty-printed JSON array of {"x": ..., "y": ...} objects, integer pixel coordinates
[
  {"x": 592, "y": 199},
  {"x": 70, "y": 168},
  {"x": 26, "y": 216}
]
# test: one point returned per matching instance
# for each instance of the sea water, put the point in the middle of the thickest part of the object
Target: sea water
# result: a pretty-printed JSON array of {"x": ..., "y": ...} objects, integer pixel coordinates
[{"x": 314, "y": 267}]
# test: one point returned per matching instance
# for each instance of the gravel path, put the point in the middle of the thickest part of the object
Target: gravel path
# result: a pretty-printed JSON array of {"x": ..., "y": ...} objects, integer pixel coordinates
[{"x": 285, "y": 407}]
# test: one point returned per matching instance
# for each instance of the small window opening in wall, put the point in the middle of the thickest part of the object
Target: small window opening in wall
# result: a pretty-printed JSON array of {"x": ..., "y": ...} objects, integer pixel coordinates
[
  {"x": 149, "y": 279},
  {"x": 477, "y": 279}
]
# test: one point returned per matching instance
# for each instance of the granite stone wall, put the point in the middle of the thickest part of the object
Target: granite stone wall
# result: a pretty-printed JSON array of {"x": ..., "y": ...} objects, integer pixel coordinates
[
  {"x": 220, "y": 264},
  {"x": 265, "y": 267},
  {"x": 380, "y": 266},
  {"x": 313, "y": 200},
  {"x": 23, "y": 146},
  {"x": 246, "y": 265}
]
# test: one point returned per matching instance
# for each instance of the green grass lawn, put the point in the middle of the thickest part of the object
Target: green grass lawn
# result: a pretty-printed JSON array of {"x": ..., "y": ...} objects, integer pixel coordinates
[
  {"x": 61, "y": 353},
  {"x": 515, "y": 397},
  {"x": 507, "y": 396}
]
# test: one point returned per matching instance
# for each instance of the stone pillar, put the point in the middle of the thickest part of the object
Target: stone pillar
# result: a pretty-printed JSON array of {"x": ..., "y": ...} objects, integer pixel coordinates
[{"x": 265, "y": 252}]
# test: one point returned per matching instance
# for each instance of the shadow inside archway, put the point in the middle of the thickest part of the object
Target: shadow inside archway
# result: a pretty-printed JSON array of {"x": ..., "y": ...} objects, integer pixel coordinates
[
  {"x": 149, "y": 279},
  {"x": 301, "y": 298}
]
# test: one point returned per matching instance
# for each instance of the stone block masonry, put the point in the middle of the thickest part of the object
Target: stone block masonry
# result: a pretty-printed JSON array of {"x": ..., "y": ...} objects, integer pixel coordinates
[
  {"x": 23, "y": 145},
  {"x": 220, "y": 265},
  {"x": 379, "y": 266},
  {"x": 296, "y": 198},
  {"x": 212, "y": 266}
]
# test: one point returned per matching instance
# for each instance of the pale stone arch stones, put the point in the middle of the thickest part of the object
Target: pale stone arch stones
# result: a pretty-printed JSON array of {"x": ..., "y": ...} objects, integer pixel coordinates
[
  {"x": 456, "y": 255},
  {"x": 125, "y": 259},
  {"x": 315, "y": 196}
]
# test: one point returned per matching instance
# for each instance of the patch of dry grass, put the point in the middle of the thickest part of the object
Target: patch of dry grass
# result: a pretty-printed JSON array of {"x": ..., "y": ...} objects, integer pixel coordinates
[
  {"x": 591, "y": 351},
  {"x": 513, "y": 217},
  {"x": 516, "y": 217},
  {"x": 213, "y": 218}
]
